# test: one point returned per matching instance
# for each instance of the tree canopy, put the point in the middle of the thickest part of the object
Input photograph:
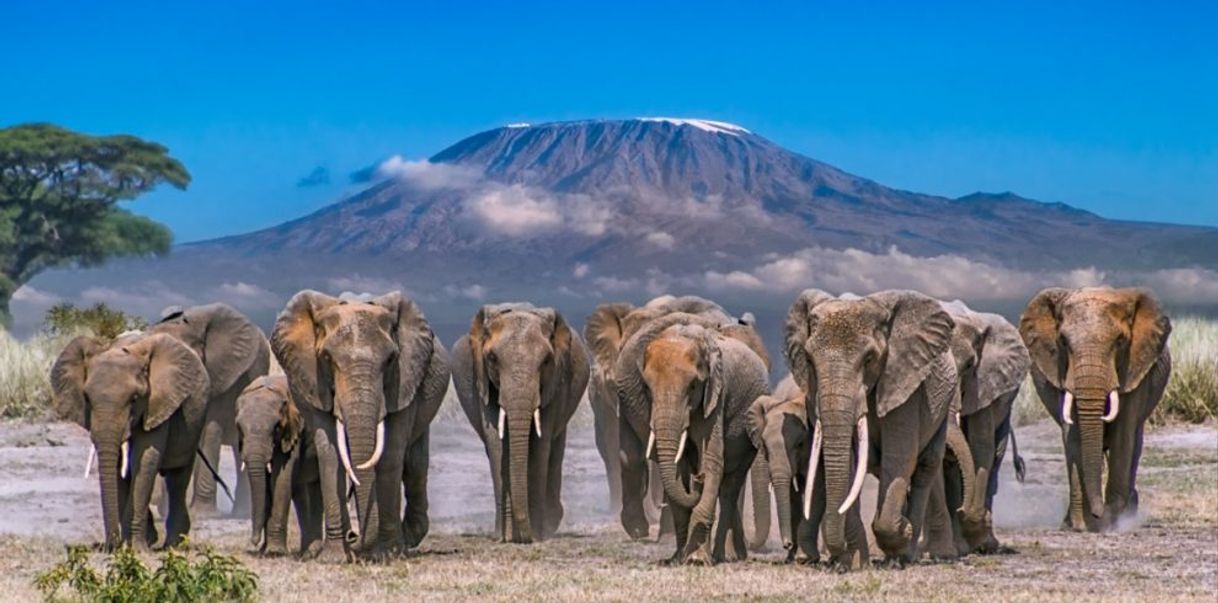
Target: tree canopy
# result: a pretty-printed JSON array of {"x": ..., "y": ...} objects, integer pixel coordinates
[{"x": 59, "y": 192}]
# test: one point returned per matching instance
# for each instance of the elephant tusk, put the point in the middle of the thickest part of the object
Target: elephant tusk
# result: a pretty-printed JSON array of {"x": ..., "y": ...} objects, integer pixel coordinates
[
  {"x": 122, "y": 451},
  {"x": 502, "y": 422},
  {"x": 89, "y": 461},
  {"x": 813, "y": 461},
  {"x": 1114, "y": 406},
  {"x": 860, "y": 471},
  {"x": 681, "y": 446},
  {"x": 268, "y": 466},
  {"x": 380, "y": 447},
  {"x": 794, "y": 482},
  {"x": 651, "y": 444},
  {"x": 957, "y": 419},
  {"x": 343, "y": 454},
  {"x": 537, "y": 421},
  {"x": 241, "y": 469},
  {"x": 1067, "y": 407}
]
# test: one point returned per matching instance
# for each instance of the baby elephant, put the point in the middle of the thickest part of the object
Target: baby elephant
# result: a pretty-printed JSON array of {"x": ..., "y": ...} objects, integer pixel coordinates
[{"x": 282, "y": 466}]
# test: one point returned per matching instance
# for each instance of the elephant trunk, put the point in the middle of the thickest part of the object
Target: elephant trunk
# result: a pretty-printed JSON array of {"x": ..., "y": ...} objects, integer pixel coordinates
[
  {"x": 1092, "y": 385},
  {"x": 108, "y": 477},
  {"x": 671, "y": 438},
  {"x": 838, "y": 428},
  {"x": 759, "y": 477},
  {"x": 519, "y": 426},
  {"x": 782, "y": 499},
  {"x": 362, "y": 433},
  {"x": 255, "y": 468},
  {"x": 972, "y": 509}
]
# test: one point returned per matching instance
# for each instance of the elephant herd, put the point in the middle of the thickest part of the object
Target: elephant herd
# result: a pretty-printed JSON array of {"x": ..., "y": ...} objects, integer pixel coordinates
[{"x": 912, "y": 390}]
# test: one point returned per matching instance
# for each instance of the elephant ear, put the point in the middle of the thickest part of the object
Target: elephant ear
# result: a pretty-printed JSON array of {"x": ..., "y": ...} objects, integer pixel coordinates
[
  {"x": 795, "y": 335},
  {"x": 1039, "y": 326},
  {"x": 605, "y": 334},
  {"x": 290, "y": 423},
  {"x": 294, "y": 341},
  {"x": 560, "y": 364},
  {"x": 712, "y": 390},
  {"x": 1149, "y": 330},
  {"x": 177, "y": 378},
  {"x": 231, "y": 344},
  {"x": 478, "y": 335},
  {"x": 416, "y": 344},
  {"x": 68, "y": 380},
  {"x": 1004, "y": 360},
  {"x": 919, "y": 332},
  {"x": 758, "y": 410}
]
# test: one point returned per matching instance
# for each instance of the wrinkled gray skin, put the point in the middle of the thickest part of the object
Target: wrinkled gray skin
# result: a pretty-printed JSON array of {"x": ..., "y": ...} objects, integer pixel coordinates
[
  {"x": 681, "y": 374},
  {"x": 353, "y": 364},
  {"x": 634, "y": 487},
  {"x": 991, "y": 363},
  {"x": 1091, "y": 342},
  {"x": 518, "y": 360},
  {"x": 885, "y": 358},
  {"x": 149, "y": 391},
  {"x": 282, "y": 466},
  {"x": 235, "y": 352}
]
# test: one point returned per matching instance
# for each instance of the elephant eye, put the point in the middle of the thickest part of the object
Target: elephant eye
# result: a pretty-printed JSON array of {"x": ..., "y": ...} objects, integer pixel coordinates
[{"x": 492, "y": 357}]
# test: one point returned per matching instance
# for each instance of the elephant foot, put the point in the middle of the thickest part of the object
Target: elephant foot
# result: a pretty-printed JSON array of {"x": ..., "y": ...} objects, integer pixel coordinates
[
  {"x": 278, "y": 549},
  {"x": 802, "y": 558},
  {"x": 636, "y": 527},
  {"x": 943, "y": 554},
  {"x": 414, "y": 530},
  {"x": 329, "y": 551},
  {"x": 204, "y": 510},
  {"x": 894, "y": 562},
  {"x": 699, "y": 558}
]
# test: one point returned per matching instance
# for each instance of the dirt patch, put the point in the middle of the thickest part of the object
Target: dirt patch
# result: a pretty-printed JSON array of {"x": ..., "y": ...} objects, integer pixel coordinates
[{"x": 45, "y": 503}]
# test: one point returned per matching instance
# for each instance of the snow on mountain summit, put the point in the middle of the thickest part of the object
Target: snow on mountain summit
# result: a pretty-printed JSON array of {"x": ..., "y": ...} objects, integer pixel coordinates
[{"x": 720, "y": 127}]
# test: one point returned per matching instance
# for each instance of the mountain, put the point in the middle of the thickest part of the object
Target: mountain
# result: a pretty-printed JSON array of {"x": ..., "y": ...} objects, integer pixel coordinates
[{"x": 572, "y": 213}]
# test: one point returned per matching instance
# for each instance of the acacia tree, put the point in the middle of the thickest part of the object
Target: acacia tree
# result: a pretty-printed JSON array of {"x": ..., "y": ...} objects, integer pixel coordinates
[{"x": 59, "y": 195}]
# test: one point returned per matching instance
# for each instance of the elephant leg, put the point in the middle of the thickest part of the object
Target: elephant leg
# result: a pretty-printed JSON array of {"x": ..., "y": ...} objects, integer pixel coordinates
[
  {"x": 928, "y": 469},
  {"x": 146, "y": 458},
  {"x": 309, "y": 514},
  {"x": 554, "y": 507},
  {"x": 808, "y": 533},
  {"x": 899, "y": 452},
  {"x": 1131, "y": 508},
  {"x": 856, "y": 539},
  {"x": 634, "y": 482},
  {"x": 654, "y": 505},
  {"x": 334, "y": 547},
  {"x": 277, "y": 523},
  {"x": 387, "y": 492},
  {"x": 982, "y": 432},
  {"x": 731, "y": 519},
  {"x": 680, "y": 520},
  {"x": 940, "y": 539},
  {"x": 415, "y": 523},
  {"x": 177, "y": 522},
  {"x": 203, "y": 503},
  {"x": 241, "y": 494},
  {"x": 1074, "y": 512},
  {"x": 1119, "y": 440},
  {"x": 605, "y": 428},
  {"x": 539, "y": 468},
  {"x": 494, "y": 455},
  {"x": 953, "y": 499}
]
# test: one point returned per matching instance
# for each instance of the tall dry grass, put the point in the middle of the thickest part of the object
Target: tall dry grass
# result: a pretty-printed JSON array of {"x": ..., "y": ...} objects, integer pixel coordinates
[
  {"x": 1192, "y": 391},
  {"x": 25, "y": 367}
]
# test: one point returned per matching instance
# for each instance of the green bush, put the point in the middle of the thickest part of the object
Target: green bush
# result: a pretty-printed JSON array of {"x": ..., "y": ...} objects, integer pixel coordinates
[
  {"x": 209, "y": 577},
  {"x": 100, "y": 319}
]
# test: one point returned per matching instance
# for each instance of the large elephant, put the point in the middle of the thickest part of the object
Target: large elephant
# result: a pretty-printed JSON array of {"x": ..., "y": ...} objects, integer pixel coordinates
[
  {"x": 684, "y": 384},
  {"x": 143, "y": 399},
  {"x": 235, "y": 352},
  {"x": 605, "y": 330},
  {"x": 991, "y": 363},
  {"x": 1100, "y": 362},
  {"x": 281, "y": 462},
  {"x": 368, "y": 376},
  {"x": 779, "y": 426},
  {"x": 878, "y": 367},
  {"x": 520, "y": 374}
]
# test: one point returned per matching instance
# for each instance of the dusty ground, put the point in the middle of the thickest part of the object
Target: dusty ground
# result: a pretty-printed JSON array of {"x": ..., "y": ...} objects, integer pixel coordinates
[{"x": 1172, "y": 552}]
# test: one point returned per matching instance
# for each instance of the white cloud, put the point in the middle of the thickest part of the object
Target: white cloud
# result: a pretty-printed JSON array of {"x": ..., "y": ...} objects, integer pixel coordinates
[
  {"x": 426, "y": 175},
  {"x": 35, "y": 297},
  {"x": 661, "y": 239},
  {"x": 946, "y": 276},
  {"x": 247, "y": 295},
  {"x": 513, "y": 211},
  {"x": 581, "y": 270},
  {"x": 359, "y": 284},
  {"x": 475, "y": 292},
  {"x": 144, "y": 299}
]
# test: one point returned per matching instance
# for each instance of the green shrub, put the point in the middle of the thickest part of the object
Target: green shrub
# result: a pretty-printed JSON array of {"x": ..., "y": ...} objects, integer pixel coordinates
[
  {"x": 209, "y": 577},
  {"x": 100, "y": 319}
]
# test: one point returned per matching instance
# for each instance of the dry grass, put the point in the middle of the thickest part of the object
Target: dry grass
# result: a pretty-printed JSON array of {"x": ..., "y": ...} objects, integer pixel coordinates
[{"x": 25, "y": 366}]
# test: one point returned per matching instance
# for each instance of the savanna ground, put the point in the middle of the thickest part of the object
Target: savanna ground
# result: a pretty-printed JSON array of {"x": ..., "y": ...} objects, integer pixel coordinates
[{"x": 1169, "y": 553}]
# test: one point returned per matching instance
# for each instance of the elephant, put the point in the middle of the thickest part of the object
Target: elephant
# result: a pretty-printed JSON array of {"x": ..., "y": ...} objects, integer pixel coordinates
[
  {"x": 281, "y": 462},
  {"x": 143, "y": 399},
  {"x": 991, "y": 363},
  {"x": 686, "y": 384},
  {"x": 520, "y": 373},
  {"x": 1100, "y": 364},
  {"x": 368, "y": 376},
  {"x": 878, "y": 366},
  {"x": 235, "y": 352},
  {"x": 779, "y": 427},
  {"x": 605, "y": 330}
]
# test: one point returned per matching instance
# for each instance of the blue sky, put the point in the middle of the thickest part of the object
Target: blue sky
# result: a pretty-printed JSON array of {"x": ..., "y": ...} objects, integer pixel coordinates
[{"x": 1109, "y": 106}]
